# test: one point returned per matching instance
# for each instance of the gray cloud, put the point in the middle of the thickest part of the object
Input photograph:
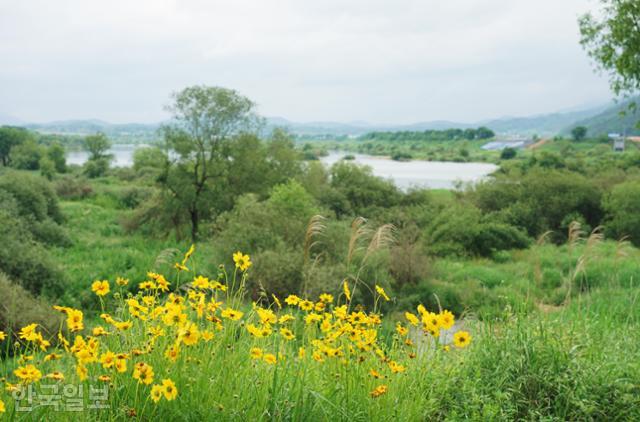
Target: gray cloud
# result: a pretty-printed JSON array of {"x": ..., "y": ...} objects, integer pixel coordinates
[{"x": 380, "y": 61}]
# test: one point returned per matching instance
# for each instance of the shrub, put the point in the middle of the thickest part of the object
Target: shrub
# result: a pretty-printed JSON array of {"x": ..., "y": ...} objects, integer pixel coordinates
[
  {"x": 622, "y": 206},
  {"x": 19, "y": 308}
]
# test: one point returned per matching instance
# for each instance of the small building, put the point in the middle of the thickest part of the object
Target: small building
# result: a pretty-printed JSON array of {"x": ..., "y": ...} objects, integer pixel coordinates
[
  {"x": 618, "y": 145},
  {"x": 618, "y": 142}
]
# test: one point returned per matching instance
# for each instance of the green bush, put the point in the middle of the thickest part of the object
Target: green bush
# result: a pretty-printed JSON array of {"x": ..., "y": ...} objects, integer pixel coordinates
[
  {"x": 19, "y": 308},
  {"x": 463, "y": 230},
  {"x": 622, "y": 206}
]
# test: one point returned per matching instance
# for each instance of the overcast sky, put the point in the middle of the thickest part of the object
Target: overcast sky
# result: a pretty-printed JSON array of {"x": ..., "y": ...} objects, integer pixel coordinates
[{"x": 392, "y": 61}]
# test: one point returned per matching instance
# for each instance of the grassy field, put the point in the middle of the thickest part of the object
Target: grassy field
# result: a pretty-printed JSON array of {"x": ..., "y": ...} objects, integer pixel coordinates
[{"x": 552, "y": 337}]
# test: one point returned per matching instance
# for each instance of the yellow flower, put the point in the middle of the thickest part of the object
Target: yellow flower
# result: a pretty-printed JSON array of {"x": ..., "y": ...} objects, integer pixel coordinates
[
  {"x": 143, "y": 373},
  {"x": 413, "y": 320},
  {"x": 378, "y": 391},
  {"x": 232, "y": 314},
  {"x": 75, "y": 320},
  {"x": 108, "y": 359},
  {"x": 121, "y": 365},
  {"x": 326, "y": 298},
  {"x": 99, "y": 331},
  {"x": 104, "y": 378},
  {"x": 375, "y": 374},
  {"x": 401, "y": 330},
  {"x": 100, "y": 288},
  {"x": 461, "y": 339},
  {"x": 189, "y": 334},
  {"x": 57, "y": 376},
  {"x": 446, "y": 319},
  {"x": 287, "y": 334},
  {"x": 2, "y": 407},
  {"x": 28, "y": 373},
  {"x": 170, "y": 391},
  {"x": 256, "y": 353},
  {"x": 382, "y": 293},
  {"x": 302, "y": 352},
  {"x": 156, "y": 393},
  {"x": 305, "y": 305},
  {"x": 123, "y": 326},
  {"x": 396, "y": 367},
  {"x": 347, "y": 292},
  {"x": 277, "y": 301},
  {"x": 180, "y": 267},
  {"x": 286, "y": 318},
  {"x": 122, "y": 281},
  {"x": 207, "y": 335},
  {"x": 172, "y": 353},
  {"x": 242, "y": 261},
  {"x": 292, "y": 300},
  {"x": 2, "y": 335},
  {"x": 29, "y": 332},
  {"x": 201, "y": 282},
  {"x": 82, "y": 372},
  {"x": 52, "y": 356},
  {"x": 270, "y": 358}
]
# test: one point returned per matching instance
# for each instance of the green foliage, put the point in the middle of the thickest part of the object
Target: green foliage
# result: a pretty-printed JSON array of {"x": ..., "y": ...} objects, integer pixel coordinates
[
  {"x": 540, "y": 200},
  {"x": 579, "y": 133},
  {"x": 622, "y": 207},
  {"x": 56, "y": 153},
  {"x": 9, "y": 138},
  {"x": 26, "y": 155},
  {"x": 149, "y": 157},
  {"x": 19, "y": 308},
  {"x": 362, "y": 191},
  {"x": 462, "y": 230},
  {"x": 612, "y": 39},
  {"x": 97, "y": 145},
  {"x": 508, "y": 153}
]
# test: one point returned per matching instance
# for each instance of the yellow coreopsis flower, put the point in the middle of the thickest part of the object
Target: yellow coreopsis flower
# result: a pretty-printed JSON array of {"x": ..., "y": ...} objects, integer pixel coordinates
[
  {"x": 28, "y": 374},
  {"x": 29, "y": 332},
  {"x": 306, "y": 305},
  {"x": 347, "y": 292},
  {"x": 292, "y": 300},
  {"x": 242, "y": 261},
  {"x": 413, "y": 320},
  {"x": 446, "y": 319},
  {"x": 189, "y": 334},
  {"x": 82, "y": 372},
  {"x": 287, "y": 334},
  {"x": 75, "y": 320},
  {"x": 170, "y": 391},
  {"x": 232, "y": 314},
  {"x": 201, "y": 282},
  {"x": 379, "y": 390},
  {"x": 401, "y": 330},
  {"x": 156, "y": 393},
  {"x": 461, "y": 339},
  {"x": 256, "y": 353},
  {"x": 382, "y": 293},
  {"x": 122, "y": 281},
  {"x": 100, "y": 288},
  {"x": 270, "y": 358},
  {"x": 108, "y": 359},
  {"x": 143, "y": 373},
  {"x": 3, "y": 335},
  {"x": 2, "y": 407}
]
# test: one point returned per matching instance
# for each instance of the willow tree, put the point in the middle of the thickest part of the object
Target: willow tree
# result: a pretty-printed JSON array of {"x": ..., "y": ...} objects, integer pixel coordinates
[{"x": 203, "y": 118}]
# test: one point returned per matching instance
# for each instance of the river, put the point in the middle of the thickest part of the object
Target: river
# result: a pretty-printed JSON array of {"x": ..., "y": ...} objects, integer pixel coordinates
[{"x": 405, "y": 174}]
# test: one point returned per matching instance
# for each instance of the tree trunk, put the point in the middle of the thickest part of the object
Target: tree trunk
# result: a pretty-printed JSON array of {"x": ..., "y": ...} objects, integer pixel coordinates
[{"x": 195, "y": 219}]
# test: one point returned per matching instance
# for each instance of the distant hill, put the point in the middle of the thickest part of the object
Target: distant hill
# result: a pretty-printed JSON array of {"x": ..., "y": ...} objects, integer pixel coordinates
[
  {"x": 543, "y": 125},
  {"x": 7, "y": 119},
  {"x": 602, "y": 119},
  {"x": 615, "y": 119}
]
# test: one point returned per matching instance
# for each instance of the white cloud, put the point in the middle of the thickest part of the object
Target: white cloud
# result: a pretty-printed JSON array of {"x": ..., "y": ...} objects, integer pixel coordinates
[{"x": 375, "y": 60}]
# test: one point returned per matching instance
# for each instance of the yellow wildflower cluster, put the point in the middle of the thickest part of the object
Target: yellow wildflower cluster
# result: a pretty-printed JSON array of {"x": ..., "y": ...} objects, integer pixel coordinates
[{"x": 162, "y": 327}]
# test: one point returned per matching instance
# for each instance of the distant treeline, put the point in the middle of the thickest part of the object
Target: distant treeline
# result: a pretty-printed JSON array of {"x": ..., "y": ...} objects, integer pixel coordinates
[{"x": 431, "y": 135}]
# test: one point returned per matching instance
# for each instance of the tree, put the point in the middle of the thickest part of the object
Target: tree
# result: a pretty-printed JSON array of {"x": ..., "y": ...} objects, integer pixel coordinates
[
  {"x": 508, "y": 153},
  {"x": 26, "y": 155},
  {"x": 55, "y": 153},
  {"x": 484, "y": 133},
  {"x": 203, "y": 119},
  {"x": 613, "y": 41},
  {"x": 97, "y": 145},
  {"x": 99, "y": 160},
  {"x": 10, "y": 137},
  {"x": 579, "y": 133}
]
